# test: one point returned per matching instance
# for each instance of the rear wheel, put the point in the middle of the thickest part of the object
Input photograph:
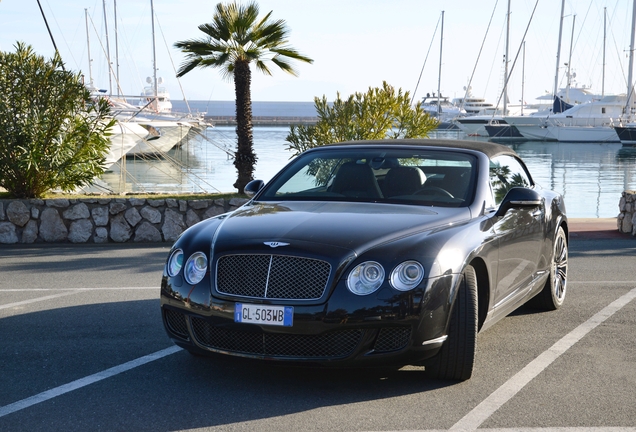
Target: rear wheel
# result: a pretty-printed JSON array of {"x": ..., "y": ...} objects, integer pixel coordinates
[
  {"x": 553, "y": 293},
  {"x": 456, "y": 358}
]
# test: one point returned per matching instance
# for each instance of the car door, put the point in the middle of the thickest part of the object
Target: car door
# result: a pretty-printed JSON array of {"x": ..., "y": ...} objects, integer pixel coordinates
[{"x": 519, "y": 230}]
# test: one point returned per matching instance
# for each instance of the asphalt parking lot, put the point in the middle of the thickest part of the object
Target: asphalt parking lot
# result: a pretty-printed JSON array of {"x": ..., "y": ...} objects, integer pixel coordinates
[{"x": 82, "y": 348}]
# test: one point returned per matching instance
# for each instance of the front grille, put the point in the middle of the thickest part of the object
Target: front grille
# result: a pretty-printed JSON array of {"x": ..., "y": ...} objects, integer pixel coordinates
[
  {"x": 337, "y": 344},
  {"x": 176, "y": 322},
  {"x": 392, "y": 339},
  {"x": 272, "y": 276}
]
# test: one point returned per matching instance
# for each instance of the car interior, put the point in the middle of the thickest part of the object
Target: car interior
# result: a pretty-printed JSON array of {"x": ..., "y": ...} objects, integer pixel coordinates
[{"x": 413, "y": 179}]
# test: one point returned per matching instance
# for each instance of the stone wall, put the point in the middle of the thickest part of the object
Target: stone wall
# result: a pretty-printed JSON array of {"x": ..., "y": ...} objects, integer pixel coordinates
[
  {"x": 121, "y": 220},
  {"x": 104, "y": 220},
  {"x": 626, "y": 219}
]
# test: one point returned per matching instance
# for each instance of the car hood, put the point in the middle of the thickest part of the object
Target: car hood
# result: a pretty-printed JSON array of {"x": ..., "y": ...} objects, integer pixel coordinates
[{"x": 314, "y": 225}]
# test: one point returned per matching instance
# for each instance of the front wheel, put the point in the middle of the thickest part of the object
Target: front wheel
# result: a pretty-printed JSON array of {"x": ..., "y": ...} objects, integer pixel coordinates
[
  {"x": 456, "y": 358},
  {"x": 553, "y": 293}
]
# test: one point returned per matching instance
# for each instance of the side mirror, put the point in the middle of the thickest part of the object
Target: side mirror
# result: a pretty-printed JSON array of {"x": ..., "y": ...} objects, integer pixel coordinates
[
  {"x": 519, "y": 197},
  {"x": 253, "y": 187}
]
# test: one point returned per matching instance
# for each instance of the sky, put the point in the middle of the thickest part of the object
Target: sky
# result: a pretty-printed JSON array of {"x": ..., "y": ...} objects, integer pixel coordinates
[{"x": 355, "y": 45}]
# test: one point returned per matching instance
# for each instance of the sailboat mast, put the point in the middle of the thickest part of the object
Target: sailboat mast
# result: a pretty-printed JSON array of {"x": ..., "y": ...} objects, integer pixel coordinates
[
  {"x": 154, "y": 55},
  {"x": 110, "y": 78},
  {"x": 505, "y": 90},
  {"x": 439, "y": 75},
  {"x": 116, "y": 50},
  {"x": 88, "y": 45},
  {"x": 49, "y": 30},
  {"x": 630, "y": 84},
  {"x": 604, "y": 43},
  {"x": 558, "y": 57},
  {"x": 569, "y": 74},
  {"x": 523, "y": 77}
]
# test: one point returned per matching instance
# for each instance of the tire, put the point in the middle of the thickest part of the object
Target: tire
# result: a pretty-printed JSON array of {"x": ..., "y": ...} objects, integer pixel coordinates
[
  {"x": 456, "y": 358},
  {"x": 553, "y": 293}
]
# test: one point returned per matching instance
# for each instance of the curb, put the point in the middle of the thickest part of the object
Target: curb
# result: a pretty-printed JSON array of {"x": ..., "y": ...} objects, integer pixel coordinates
[{"x": 595, "y": 228}]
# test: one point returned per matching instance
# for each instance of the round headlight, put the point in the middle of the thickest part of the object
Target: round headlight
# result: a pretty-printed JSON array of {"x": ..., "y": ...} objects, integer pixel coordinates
[
  {"x": 365, "y": 278},
  {"x": 407, "y": 275},
  {"x": 195, "y": 268},
  {"x": 175, "y": 262}
]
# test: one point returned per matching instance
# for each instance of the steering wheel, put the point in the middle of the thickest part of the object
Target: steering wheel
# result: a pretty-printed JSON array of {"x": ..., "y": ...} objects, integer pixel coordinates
[{"x": 433, "y": 190}]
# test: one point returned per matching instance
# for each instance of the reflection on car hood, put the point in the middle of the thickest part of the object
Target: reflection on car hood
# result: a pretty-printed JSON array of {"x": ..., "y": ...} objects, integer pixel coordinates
[{"x": 351, "y": 226}]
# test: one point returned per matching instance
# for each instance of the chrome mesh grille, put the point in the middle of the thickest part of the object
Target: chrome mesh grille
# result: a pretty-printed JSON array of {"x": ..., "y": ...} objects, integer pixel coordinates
[
  {"x": 176, "y": 323},
  {"x": 392, "y": 339},
  {"x": 336, "y": 344},
  {"x": 272, "y": 276}
]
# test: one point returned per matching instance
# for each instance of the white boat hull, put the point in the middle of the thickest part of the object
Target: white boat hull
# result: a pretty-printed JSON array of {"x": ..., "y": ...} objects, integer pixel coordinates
[
  {"x": 584, "y": 133},
  {"x": 124, "y": 136},
  {"x": 164, "y": 135},
  {"x": 626, "y": 133},
  {"x": 536, "y": 133},
  {"x": 532, "y": 127},
  {"x": 599, "y": 114},
  {"x": 473, "y": 125}
]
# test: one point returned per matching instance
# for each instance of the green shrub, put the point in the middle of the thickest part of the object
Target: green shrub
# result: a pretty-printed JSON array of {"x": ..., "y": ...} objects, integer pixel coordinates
[
  {"x": 380, "y": 113},
  {"x": 52, "y": 134}
]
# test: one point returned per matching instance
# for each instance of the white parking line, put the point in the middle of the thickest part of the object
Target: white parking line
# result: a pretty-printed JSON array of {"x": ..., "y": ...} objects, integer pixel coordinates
[
  {"x": 509, "y": 389},
  {"x": 546, "y": 429},
  {"x": 77, "y": 289},
  {"x": 563, "y": 429},
  {"x": 83, "y": 382},
  {"x": 604, "y": 283},
  {"x": 469, "y": 422},
  {"x": 67, "y": 291},
  {"x": 39, "y": 299}
]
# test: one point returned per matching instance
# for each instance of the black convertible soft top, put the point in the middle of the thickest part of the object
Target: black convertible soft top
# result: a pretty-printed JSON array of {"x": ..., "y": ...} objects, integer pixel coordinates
[{"x": 488, "y": 148}]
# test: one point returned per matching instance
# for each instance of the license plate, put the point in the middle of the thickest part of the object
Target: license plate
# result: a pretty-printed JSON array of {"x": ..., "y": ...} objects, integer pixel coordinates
[{"x": 264, "y": 314}]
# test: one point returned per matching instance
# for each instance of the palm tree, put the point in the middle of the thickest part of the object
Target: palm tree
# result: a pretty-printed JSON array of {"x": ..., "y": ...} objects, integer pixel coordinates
[{"x": 234, "y": 39}]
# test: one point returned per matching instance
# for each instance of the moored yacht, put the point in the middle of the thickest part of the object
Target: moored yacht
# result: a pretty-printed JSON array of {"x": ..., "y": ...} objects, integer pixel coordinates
[
  {"x": 158, "y": 102},
  {"x": 473, "y": 105},
  {"x": 124, "y": 136},
  {"x": 164, "y": 130},
  {"x": 555, "y": 127},
  {"x": 442, "y": 109},
  {"x": 479, "y": 113},
  {"x": 626, "y": 133},
  {"x": 583, "y": 133},
  {"x": 501, "y": 130},
  {"x": 475, "y": 125}
]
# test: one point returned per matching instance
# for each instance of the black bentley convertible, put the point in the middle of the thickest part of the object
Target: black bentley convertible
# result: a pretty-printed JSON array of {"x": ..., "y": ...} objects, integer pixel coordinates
[{"x": 367, "y": 252}]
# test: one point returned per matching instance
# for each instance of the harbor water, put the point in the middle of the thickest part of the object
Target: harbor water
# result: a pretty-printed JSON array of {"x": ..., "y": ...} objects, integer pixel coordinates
[{"x": 590, "y": 176}]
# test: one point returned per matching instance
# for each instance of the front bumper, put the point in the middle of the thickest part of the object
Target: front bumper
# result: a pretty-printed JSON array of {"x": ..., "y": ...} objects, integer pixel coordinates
[{"x": 386, "y": 327}]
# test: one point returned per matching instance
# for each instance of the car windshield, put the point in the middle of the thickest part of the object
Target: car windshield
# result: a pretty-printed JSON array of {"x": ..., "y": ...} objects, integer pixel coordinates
[{"x": 403, "y": 176}]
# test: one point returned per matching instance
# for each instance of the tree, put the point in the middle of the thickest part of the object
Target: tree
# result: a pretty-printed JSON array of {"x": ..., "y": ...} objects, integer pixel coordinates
[
  {"x": 377, "y": 114},
  {"x": 234, "y": 39},
  {"x": 52, "y": 135}
]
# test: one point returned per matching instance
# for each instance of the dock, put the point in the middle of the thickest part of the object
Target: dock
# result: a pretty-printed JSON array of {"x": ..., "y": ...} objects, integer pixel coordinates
[{"x": 263, "y": 120}]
